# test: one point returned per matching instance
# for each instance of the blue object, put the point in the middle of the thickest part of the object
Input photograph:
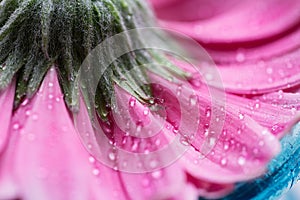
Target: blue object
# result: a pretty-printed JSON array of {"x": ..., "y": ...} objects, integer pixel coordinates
[{"x": 283, "y": 173}]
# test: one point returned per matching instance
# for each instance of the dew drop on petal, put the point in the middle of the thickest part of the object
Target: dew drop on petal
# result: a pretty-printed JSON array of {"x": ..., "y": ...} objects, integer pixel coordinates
[
  {"x": 157, "y": 142},
  {"x": 269, "y": 70},
  {"x": 223, "y": 161},
  {"x": 240, "y": 57},
  {"x": 89, "y": 146},
  {"x": 16, "y": 126},
  {"x": 156, "y": 174},
  {"x": 184, "y": 141},
  {"x": 35, "y": 117},
  {"x": 146, "y": 182},
  {"x": 261, "y": 143},
  {"x": 146, "y": 111},
  {"x": 209, "y": 77},
  {"x": 112, "y": 156},
  {"x": 91, "y": 159},
  {"x": 257, "y": 105},
  {"x": 241, "y": 160},
  {"x": 50, "y": 96},
  {"x": 208, "y": 112},
  {"x": 178, "y": 90},
  {"x": 241, "y": 116},
  {"x": 132, "y": 102},
  {"x": 25, "y": 102},
  {"x": 153, "y": 164},
  {"x": 50, "y": 106},
  {"x": 96, "y": 171},
  {"x": 193, "y": 100},
  {"x": 212, "y": 141},
  {"x": 50, "y": 84}
]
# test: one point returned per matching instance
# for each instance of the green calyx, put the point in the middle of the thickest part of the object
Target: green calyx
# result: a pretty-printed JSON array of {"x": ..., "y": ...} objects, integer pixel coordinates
[{"x": 38, "y": 34}]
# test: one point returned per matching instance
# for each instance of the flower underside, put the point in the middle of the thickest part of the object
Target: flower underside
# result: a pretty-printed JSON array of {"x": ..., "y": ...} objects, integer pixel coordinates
[{"x": 37, "y": 34}]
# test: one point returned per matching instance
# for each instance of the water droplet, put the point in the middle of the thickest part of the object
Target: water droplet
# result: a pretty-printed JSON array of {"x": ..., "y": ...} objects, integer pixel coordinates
[
  {"x": 264, "y": 132},
  {"x": 184, "y": 141},
  {"x": 209, "y": 77},
  {"x": 261, "y": 143},
  {"x": 241, "y": 160},
  {"x": 193, "y": 100},
  {"x": 178, "y": 90},
  {"x": 96, "y": 171},
  {"x": 16, "y": 126},
  {"x": 132, "y": 102},
  {"x": 57, "y": 99},
  {"x": 156, "y": 174},
  {"x": 270, "y": 80},
  {"x": 146, "y": 182},
  {"x": 223, "y": 161},
  {"x": 35, "y": 117},
  {"x": 112, "y": 156},
  {"x": 91, "y": 159},
  {"x": 27, "y": 112},
  {"x": 269, "y": 70},
  {"x": 50, "y": 106},
  {"x": 255, "y": 151},
  {"x": 257, "y": 105},
  {"x": 212, "y": 141},
  {"x": 151, "y": 101},
  {"x": 226, "y": 145},
  {"x": 89, "y": 146},
  {"x": 241, "y": 116},
  {"x": 157, "y": 142},
  {"x": 240, "y": 57},
  {"x": 25, "y": 102},
  {"x": 50, "y": 84},
  {"x": 208, "y": 112},
  {"x": 138, "y": 128},
  {"x": 153, "y": 164},
  {"x": 50, "y": 96},
  {"x": 146, "y": 111}
]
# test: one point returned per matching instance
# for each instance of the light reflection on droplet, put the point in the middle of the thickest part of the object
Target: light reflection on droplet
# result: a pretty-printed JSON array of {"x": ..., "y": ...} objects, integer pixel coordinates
[{"x": 241, "y": 160}]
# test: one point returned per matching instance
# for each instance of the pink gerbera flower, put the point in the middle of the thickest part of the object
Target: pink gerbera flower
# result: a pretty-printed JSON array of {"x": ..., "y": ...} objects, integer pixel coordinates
[{"x": 51, "y": 141}]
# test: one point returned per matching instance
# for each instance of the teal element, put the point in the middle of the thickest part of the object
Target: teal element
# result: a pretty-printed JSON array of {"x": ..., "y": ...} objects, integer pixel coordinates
[{"x": 283, "y": 173}]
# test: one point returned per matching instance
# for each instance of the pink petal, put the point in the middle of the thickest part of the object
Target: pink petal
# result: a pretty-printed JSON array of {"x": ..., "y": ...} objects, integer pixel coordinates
[
  {"x": 240, "y": 152},
  {"x": 6, "y": 101},
  {"x": 229, "y": 21},
  {"x": 271, "y": 75},
  {"x": 285, "y": 100},
  {"x": 210, "y": 190},
  {"x": 161, "y": 184},
  {"x": 49, "y": 161},
  {"x": 8, "y": 188}
]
